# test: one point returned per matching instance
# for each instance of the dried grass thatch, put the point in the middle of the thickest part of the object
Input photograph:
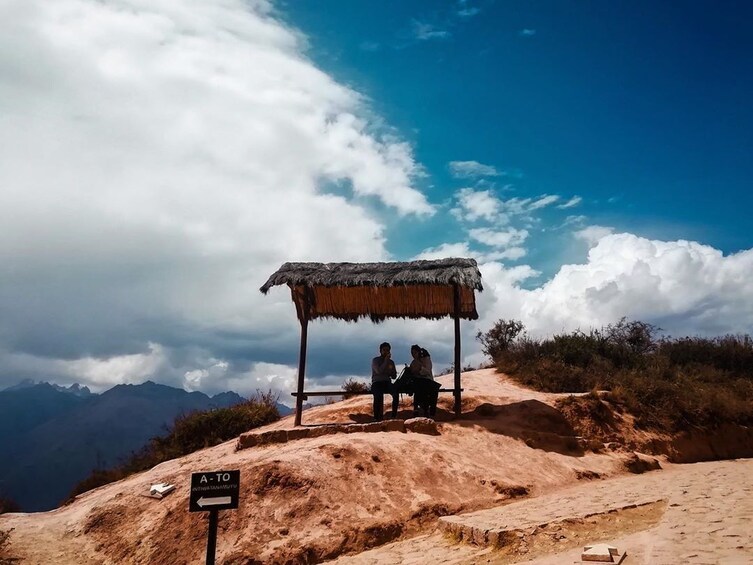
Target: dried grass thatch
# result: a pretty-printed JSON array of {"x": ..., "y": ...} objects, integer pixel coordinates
[{"x": 348, "y": 291}]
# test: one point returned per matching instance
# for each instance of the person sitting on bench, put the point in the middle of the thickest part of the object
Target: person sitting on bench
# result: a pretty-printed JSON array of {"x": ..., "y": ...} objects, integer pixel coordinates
[
  {"x": 427, "y": 390},
  {"x": 382, "y": 370}
]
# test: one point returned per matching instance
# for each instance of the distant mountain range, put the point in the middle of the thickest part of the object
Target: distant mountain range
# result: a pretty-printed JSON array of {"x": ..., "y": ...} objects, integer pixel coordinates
[
  {"x": 75, "y": 389},
  {"x": 51, "y": 437}
]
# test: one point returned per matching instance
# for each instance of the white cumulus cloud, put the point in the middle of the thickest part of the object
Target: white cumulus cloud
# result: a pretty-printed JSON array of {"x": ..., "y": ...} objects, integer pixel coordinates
[
  {"x": 474, "y": 204},
  {"x": 592, "y": 234},
  {"x": 424, "y": 31},
  {"x": 472, "y": 169},
  {"x": 462, "y": 249},
  {"x": 574, "y": 201},
  {"x": 528, "y": 205},
  {"x": 484, "y": 204},
  {"x": 494, "y": 238},
  {"x": 685, "y": 287},
  {"x": 158, "y": 160}
]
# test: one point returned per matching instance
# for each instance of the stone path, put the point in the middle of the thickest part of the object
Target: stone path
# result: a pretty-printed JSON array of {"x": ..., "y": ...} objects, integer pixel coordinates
[
  {"x": 495, "y": 526},
  {"x": 256, "y": 438},
  {"x": 707, "y": 519}
]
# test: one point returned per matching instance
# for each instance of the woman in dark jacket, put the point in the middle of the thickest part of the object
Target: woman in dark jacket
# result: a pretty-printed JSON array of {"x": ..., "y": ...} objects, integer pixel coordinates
[{"x": 425, "y": 397}]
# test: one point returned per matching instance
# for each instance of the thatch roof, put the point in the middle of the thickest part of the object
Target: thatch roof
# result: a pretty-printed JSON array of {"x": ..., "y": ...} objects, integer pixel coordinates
[{"x": 348, "y": 291}]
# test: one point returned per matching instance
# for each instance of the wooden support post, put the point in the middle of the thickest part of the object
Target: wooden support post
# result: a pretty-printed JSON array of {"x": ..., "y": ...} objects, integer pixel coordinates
[
  {"x": 456, "y": 299},
  {"x": 301, "y": 371}
]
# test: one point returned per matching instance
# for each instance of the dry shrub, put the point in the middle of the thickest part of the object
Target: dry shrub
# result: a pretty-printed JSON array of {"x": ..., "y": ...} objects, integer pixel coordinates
[
  {"x": 189, "y": 432},
  {"x": 668, "y": 384},
  {"x": 4, "y": 540},
  {"x": 354, "y": 386},
  {"x": 589, "y": 415}
]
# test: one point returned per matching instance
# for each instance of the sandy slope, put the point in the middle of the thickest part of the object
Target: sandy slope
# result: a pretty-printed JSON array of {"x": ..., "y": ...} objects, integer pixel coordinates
[
  {"x": 703, "y": 514},
  {"x": 317, "y": 498}
]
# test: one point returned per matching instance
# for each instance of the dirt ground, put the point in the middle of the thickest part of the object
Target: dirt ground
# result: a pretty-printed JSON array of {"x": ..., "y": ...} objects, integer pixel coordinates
[
  {"x": 322, "y": 498},
  {"x": 702, "y": 513}
]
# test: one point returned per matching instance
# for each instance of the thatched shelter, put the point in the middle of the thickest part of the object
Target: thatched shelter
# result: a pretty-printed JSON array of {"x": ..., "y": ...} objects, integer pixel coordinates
[{"x": 349, "y": 291}]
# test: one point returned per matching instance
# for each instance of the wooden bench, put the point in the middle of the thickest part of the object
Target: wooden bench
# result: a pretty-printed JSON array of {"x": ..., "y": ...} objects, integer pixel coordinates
[{"x": 305, "y": 395}]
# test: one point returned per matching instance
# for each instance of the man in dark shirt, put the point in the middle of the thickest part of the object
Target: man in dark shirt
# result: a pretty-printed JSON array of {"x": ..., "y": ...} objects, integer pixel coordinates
[{"x": 382, "y": 370}]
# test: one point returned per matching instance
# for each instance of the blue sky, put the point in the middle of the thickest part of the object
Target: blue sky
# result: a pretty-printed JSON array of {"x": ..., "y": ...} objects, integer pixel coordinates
[
  {"x": 160, "y": 159},
  {"x": 642, "y": 109}
]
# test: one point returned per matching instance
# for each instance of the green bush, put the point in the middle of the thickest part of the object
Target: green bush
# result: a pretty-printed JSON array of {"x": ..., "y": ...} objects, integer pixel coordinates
[
  {"x": 495, "y": 341},
  {"x": 668, "y": 384},
  {"x": 189, "y": 432},
  {"x": 198, "y": 430},
  {"x": 727, "y": 353}
]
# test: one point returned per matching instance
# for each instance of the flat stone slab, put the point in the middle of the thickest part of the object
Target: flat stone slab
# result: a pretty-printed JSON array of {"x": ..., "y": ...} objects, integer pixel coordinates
[
  {"x": 413, "y": 425},
  {"x": 499, "y": 526},
  {"x": 601, "y": 553}
]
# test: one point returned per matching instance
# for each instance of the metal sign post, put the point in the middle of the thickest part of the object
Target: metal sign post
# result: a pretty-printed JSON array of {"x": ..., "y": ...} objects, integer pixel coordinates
[
  {"x": 212, "y": 537},
  {"x": 214, "y": 491}
]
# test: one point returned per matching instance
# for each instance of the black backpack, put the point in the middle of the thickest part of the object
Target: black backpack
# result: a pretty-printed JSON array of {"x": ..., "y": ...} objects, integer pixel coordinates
[{"x": 405, "y": 382}]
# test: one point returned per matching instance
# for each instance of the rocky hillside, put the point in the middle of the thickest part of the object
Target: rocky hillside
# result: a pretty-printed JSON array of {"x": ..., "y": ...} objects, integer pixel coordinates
[{"x": 307, "y": 500}]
